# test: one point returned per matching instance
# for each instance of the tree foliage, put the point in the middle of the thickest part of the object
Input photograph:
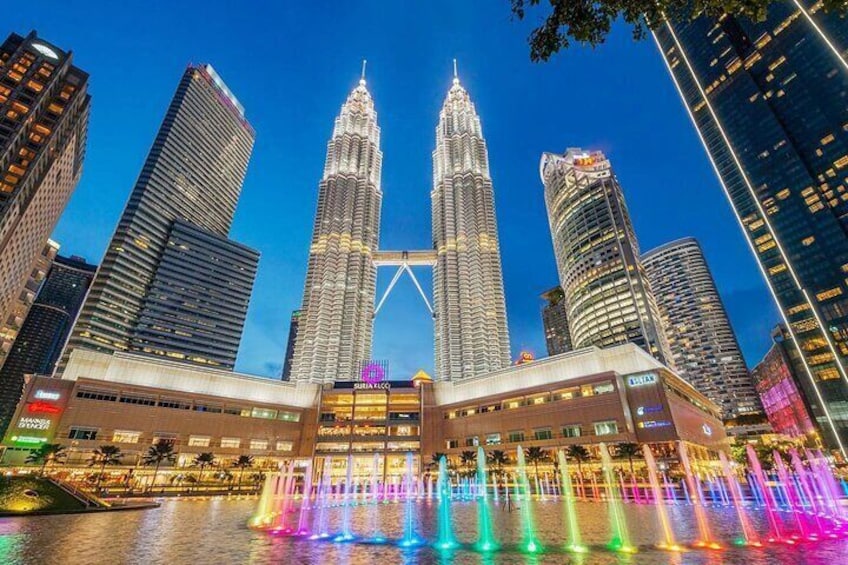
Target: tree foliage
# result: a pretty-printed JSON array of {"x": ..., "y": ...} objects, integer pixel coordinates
[{"x": 588, "y": 22}]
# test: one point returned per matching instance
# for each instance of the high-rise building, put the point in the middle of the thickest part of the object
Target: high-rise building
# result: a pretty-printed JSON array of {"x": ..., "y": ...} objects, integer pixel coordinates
[
  {"x": 555, "y": 321},
  {"x": 19, "y": 309},
  {"x": 606, "y": 289},
  {"x": 293, "y": 327},
  {"x": 197, "y": 303},
  {"x": 45, "y": 329},
  {"x": 702, "y": 343},
  {"x": 768, "y": 101},
  {"x": 336, "y": 322},
  {"x": 471, "y": 335},
  {"x": 776, "y": 379},
  {"x": 148, "y": 288},
  {"x": 44, "y": 107}
]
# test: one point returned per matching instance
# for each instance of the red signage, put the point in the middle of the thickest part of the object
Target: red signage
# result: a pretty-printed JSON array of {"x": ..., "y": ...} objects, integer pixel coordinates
[{"x": 43, "y": 407}]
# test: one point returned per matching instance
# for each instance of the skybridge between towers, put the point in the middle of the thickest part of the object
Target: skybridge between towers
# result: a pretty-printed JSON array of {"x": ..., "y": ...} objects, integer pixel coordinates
[{"x": 403, "y": 260}]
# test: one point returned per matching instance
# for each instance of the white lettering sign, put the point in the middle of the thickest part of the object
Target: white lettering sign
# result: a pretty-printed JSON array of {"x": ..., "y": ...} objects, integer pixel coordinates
[
  {"x": 640, "y": 380},
  {"x": 34, "y": 423},
  {"x": 47, "y": 395}
]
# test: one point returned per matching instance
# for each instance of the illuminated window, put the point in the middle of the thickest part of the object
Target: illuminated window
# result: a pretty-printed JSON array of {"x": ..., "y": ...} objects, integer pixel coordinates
[
  {"x": 609, "y": 427},
  {"x": 571, "y": 431},
  {"x": 231, "y": 442},
  {"x": 82, "y": 433},
  {"x": 472, "y": 441},
  {"x": 263, "y": 413},
  {"x": 493, "y": 439},
  {"x": 828, "y": 294},
  {"x": 516, "y": 436},
  {"x": 259, "y": 444},
  {"x": 124, "y": 436},
  {"x": 199, "y": 441},
  {"x": 542, "y": 433},
  {"x": 284, "y": 446}
]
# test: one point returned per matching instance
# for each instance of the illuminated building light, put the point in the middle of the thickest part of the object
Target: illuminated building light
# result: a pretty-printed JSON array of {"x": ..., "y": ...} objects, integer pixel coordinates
[
  {"x": 47, "y": 395},
  {"x": 34, "y": 424},
  {"x": 28, "y": 440},
  {"x": 641, "y": 380},
  {"x": 42, "y": 407}
]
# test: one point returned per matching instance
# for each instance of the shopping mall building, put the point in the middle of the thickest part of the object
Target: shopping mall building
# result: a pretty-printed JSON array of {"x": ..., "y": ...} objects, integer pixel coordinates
[{"x": 615, "y": 395}]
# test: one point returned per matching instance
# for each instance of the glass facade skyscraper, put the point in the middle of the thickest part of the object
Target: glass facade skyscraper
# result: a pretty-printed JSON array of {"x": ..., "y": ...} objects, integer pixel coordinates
[
  {"x": 702, "y": 343},
  {"x": 606, "y": 291},
  {"x": 555, "y": 321},
  {"x": 45, "y": 329},
  {"x": 287, "y": 362},
  {"x": 769, "y": 102},
  {"x": 189, "y": 185},
  {"x": 44, "y": 105}
]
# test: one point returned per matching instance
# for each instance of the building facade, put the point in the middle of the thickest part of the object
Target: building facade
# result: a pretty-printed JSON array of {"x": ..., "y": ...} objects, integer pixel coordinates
[
  {"x": 197, "y": 303},
  {"x": 555, "y": 322},
  {"x": 18, "y": 310},
  {"x": 44, "y": 106},
  {"x": 471, "y": 334},
  {"x": 777, "y": 382},
  {"x": 193, "y": 174},
  {"x": 336, "y": 323},
  {"x": 768, "y": 101},
  {"x": 45, "y": 329},
  {"x": 294, "y": 324},
  {"x": 608, "y": 298},
  {"x": 703, "y": 344}
]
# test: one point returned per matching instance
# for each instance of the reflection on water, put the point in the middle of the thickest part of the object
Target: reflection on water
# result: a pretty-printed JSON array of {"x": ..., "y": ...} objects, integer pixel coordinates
[{"x": 215, "y": 531}]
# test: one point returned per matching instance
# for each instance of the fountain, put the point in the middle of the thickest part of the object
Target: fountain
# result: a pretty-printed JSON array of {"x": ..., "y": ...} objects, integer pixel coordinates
[
  {"x": 765, "y": 494},
  {"x": 486, "y": 540},
  {"x": 620, "y": 540},
  {"x": 662, "y": 516},
  {"x": 409, "y": 536},
  {"x": 749, "y": 537},
  {"x": 446, "y": 540},
  {"x": 529, "y": 542},
  {"x": 575, "y": 544},
  {"x": 694, "y": 491}
]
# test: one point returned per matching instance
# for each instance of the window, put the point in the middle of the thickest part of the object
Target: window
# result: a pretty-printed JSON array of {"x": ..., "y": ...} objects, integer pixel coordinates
[
  {"x": 571, "y": 431},
  {"x": 199, "y": 441},
  {"x": 513, "y": 403},
  {"x": 172, "y": 403},
  {"x": 83, "y": 433},
  {"x": 284, "y": 446},
  {"x": 604, "y": 387},
  {"x": 452, "y": 443},
  {"x": 493, "y": 439},
  {"x": 472, "y": 441},
  {"x": 164, "y": 438},
  {"x": 97, "y": 395},
  {"x": 516, "y": 436},
  {"x": 233, "y": 442},
  {"x": 259, "y": 444},
  {"x": 124, "y": 436},
  {"x": 263, "y": 413},
  {"x": 142, "y": 400},
  {"x": 542, "y": 433},
  {"x": 289, "y": 416},
  {"x": 607, "y": 428}
]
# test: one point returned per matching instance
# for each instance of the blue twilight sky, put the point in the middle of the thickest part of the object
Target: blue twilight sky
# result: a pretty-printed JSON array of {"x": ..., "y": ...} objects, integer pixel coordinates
[{"x": 293, "y": 63}]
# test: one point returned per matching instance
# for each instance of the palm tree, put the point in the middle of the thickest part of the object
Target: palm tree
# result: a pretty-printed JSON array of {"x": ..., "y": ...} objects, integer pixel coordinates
[
  {"x": 468, "y": 459},
  {"x": 498, "y": 459},
  {"x": 47, "y": 453},
  {"x": 203, "y": 460},
  {"x": 579, "y": 454},
  {"x": 243, "y": 462},
  {"x": 629, "y": 450},
  {"x": 160, "y": 452},
  {"x": 104, "y": 455},
  {"x": 536, "y": 455},
  {"x": 434, "y": 461}
]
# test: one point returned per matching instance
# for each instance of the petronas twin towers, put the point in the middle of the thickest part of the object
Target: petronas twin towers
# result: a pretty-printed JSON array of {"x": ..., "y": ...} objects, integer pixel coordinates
[{"x": 336, "y": 325}]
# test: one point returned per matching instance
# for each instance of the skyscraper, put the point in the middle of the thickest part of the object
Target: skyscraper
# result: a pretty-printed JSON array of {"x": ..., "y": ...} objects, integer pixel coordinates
[
  {"x": 287, "y": 363},
  {"x": 555, "y": 322},
  {"x": 471, "y": 334},
  {"x": 703, "y": 345},
  {"x": 45, "y": 329},
  {"x": 43, "y": 126},
  {"x": 18, "y": 309},
  {"x": 606, "y": 290},
  {"x": 768, "y": 101},
  {"x": 336, "y": 323},
  {"x": 187, "y": 190}
]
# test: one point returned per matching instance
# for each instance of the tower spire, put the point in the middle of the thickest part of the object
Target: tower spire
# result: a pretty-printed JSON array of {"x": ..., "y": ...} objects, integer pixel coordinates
[
  {"x": 455, "y": 73},
  {"x": 362, "y": 76}
]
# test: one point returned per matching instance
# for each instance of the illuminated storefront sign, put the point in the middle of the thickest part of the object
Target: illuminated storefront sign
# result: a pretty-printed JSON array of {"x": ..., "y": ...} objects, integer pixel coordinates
[
  {"x": 34, "y": 424},
  {"x": 42, "y": 407},
  {"x": 641, "y": 380},
  {"x": 642, "y": 410},
  {"x": 654, "y": 424},
  {"x": 384, "y": 385},
  {"x": 29, "y": 440},
  {"x": 372, "y": 386},
  {"x": 47, "y": 395}
]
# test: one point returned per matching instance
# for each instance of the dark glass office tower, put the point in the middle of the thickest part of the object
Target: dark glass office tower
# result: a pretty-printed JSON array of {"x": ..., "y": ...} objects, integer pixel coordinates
[
  {"x": 43, "y": 126},
  {"x": 45, "y": 329},
  {"x": 555, "y": 321},
  {"x": 293, "y": 326},
  {"x": 769, "y": 102},
  {"x": 194, "y": 174}
]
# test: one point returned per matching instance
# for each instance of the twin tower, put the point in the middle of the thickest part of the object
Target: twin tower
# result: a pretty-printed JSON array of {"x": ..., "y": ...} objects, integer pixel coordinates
[{"x": 336, "y": 325}]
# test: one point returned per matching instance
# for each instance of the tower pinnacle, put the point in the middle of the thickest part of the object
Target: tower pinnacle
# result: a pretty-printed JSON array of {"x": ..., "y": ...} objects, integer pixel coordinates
[
  {"x": 362, "y": 76},
  {"x": 455, "y": 73}
]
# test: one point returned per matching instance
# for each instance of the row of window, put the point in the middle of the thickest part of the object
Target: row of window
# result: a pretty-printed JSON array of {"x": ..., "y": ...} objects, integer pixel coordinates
[
  {"x": 605, "y": 428},
  {"x": 266, "y": 413},
  {"x": 346, "y": 415},
  {"x": 131, "y": 436},
  {"x": 594, "y": 389}
]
